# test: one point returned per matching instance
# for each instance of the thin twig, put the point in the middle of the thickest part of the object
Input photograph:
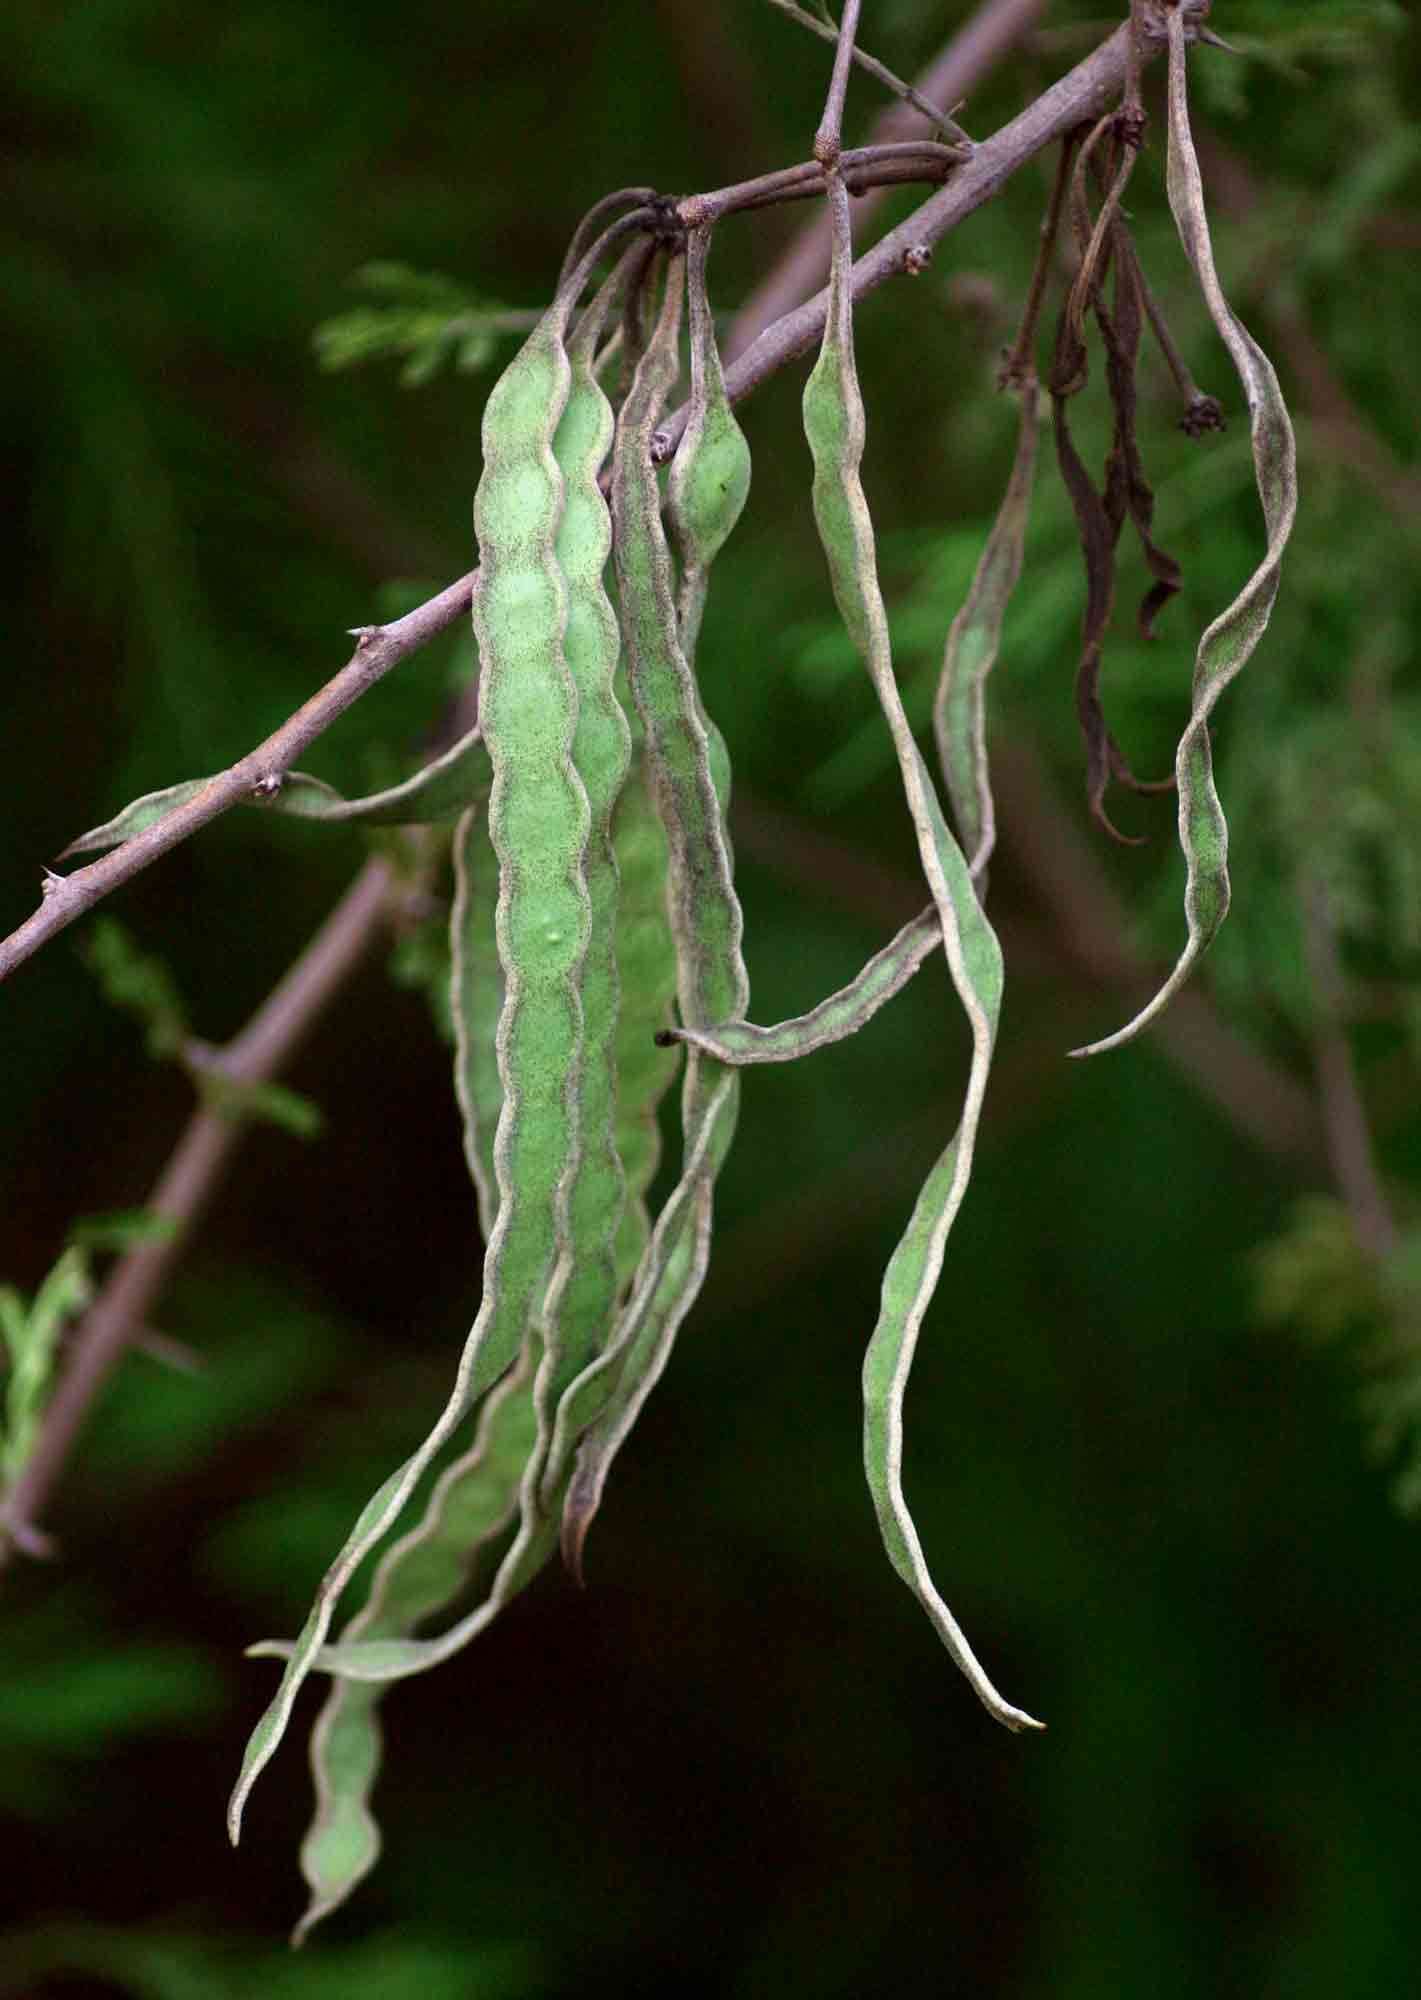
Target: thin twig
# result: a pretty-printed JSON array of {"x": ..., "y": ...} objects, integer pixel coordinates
[
  {"x": 1079, "y": 98},
  {"x": 1132, "y": 101},
  {"x": 940, "y": 121},
  {"x": 185, "y": 1187},
  {"x": 864, "y": 167},
  {"x": 1202, "y": 412},
  {"x": 828, "y": 140},
  {"x": 994, "y": 29}
]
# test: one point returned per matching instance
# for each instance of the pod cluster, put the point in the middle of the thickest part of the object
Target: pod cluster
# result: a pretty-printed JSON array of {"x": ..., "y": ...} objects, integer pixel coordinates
[{"x": 596, "y": 935}]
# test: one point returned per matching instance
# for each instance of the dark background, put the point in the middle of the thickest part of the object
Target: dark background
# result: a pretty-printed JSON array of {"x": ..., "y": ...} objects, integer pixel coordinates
[{"x": 740, "y": 1763}]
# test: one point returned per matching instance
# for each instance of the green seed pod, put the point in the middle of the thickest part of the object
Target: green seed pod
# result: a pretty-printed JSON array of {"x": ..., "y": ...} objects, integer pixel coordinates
[
  {"x": 834, "y": 425},
  {"x": 646, "y": 975},
  {"x": 472, "y": 1503},
  {"x": 477, "y": 996},
  {"x": 539, "y": 821},
  {"x": 709, "y": 480},
  {"x": 973, "y": 640},
  {"x": 706, "y": 922}
]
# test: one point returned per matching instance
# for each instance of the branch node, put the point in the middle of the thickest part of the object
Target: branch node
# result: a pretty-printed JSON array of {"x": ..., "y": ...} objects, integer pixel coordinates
[
  {"x": 268, "y": 785},
  {"x": 916, "y": 259},
  {"x": 667, "y": 225}
]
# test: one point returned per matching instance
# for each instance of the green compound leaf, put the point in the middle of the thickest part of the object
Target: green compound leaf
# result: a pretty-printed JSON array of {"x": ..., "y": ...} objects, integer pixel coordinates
[
  {"x": 834, "y": 426},
  {"x": 139, "y": 984},
  {"x": 264, "y": 1103},
  {"x": 419, "y": 317},
  {"x": 121, "y": 1228},
  {"x": 30, "y": 1336},
  {"x": 1228, "y": 643}
]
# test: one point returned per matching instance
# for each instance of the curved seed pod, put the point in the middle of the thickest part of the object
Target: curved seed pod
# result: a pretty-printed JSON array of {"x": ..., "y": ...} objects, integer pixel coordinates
[
  {"x": 538, "y": 819},
  {"x": 441, "y": 791},
  {"x": 477, "y": 991},
  {"x": 471, "y": 1504},
  {"x": 706, "y": 927},
  {"x": 973, "y": 640},
  {"x": 704, "y": 910},
  {"x": 582, "y": 1296},
  {"x": 646, "y": 975},
  {"x": 709, "y": 479},
  {"x": 834, "y": 1019},
  {"x": 834, "y": 425},
  {"x": 706, "y": 488},
  {"x": 1228, "y": 643}
]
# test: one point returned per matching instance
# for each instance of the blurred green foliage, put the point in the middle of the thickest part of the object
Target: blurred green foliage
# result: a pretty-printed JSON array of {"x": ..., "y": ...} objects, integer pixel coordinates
[
  {"x": 739, "y": 1764},
  {"x": 425, "y": 318}
]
